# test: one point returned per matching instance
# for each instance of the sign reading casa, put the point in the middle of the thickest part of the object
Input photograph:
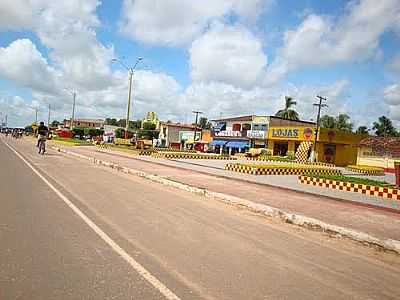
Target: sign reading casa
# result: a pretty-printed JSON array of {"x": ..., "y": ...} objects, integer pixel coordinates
[{"x": 285, "y": 132}]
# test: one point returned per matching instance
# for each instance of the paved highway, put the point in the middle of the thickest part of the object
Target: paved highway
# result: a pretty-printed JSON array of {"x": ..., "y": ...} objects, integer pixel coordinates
[{"x": 72, "y": 230}]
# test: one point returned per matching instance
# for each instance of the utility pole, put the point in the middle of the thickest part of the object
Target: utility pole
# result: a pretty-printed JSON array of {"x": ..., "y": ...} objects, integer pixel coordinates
[
  {"x": 36, "y": 115},
  {"x": 131, "y": 71},
  {"x": 195, "y": 126},
  {"x": 48, "y": 117},
  {"x": 73, "y": 110},
  {"x": 128, "y": 109},
  {"x": 319, "y": 105}
]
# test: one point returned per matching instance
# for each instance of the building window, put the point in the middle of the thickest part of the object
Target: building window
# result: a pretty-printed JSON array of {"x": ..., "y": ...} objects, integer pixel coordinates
[
  {"x": 260, "y": 127},
  {"x": 246, "y": 126},
  {"x": 236, "y": 127}
]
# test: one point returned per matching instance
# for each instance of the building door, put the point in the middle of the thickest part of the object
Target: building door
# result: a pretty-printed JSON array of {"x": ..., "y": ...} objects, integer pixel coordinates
[
  {"x": 280, "y": 148},
  {"x": 329, "y": 153}
]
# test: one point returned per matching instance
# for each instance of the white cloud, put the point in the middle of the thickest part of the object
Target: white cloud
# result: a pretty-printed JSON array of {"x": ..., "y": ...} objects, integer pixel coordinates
[
  {"x": 177, "y": 22},
  {"x": 23, "y": 63},
  {"x": 391, "y": 94},
  {"x": 229, "y": 54},
  {"x": 323, "y": 40},
  {"x": 67, "y": 29},
  {"x": 394, "y": 65},
  {"x": 16, "y": 14}
]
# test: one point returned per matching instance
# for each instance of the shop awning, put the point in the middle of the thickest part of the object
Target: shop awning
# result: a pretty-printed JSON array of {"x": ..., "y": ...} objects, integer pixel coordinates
[
  {"x": 237, "y": 144},
  {"x": 218, "y": 143}
]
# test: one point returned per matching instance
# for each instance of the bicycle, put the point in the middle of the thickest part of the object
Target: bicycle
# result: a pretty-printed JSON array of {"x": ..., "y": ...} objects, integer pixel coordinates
[{"x": 42, "y": 146}]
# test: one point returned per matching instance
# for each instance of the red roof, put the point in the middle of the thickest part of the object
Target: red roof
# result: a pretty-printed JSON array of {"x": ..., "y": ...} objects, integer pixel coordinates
[{"x": 387, "y": 143}]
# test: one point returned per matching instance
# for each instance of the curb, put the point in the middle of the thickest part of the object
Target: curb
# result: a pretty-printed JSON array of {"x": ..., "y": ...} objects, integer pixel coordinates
[
  {"x": 254, "y": 170},
  {"x": 299, "y": 220},
  {"x": 371, "y": 190}
]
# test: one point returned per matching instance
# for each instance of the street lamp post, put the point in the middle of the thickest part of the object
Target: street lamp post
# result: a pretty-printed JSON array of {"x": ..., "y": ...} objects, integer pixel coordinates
[
  {"x": 73, "y": 93},
  {"x": 48, "y": 117},
  {"x": 131, "y": 71}
]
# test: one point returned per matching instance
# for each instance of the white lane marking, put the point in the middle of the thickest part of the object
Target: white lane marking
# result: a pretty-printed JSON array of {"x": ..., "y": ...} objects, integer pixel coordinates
[{"x": 166, "y": 292}]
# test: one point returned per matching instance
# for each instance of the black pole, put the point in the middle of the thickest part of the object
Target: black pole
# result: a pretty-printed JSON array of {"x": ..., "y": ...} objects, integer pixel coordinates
[
  {"x": 320, "y": 104},
  {"x": 195, "y": 126}
]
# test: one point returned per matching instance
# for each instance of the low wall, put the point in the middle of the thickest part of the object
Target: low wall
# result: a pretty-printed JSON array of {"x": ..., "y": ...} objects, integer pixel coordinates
[{"x": 384, "y": 192}]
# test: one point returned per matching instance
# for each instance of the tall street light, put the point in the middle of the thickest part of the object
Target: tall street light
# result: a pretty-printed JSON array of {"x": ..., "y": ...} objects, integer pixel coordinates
[
  {"x": 73, "y": 93},
  {"x": 131, "y": 70}
]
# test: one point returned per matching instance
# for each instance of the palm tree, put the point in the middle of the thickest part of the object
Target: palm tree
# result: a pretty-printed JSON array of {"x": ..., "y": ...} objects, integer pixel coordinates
[{"x": 288, "y": 113}]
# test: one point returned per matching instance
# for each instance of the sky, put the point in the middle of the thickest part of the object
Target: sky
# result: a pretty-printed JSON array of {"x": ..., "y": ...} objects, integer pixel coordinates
[{"x": 222, "y": 57}]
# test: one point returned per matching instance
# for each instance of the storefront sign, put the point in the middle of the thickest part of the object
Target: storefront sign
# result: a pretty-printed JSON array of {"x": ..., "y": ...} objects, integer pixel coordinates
[
  {"x": 260, "y": 120},
  {"x": 231, "y": 133},
  {"x": 187, "y": 136},
  {"x": 256, "y": 134},
  {"x": 286, "y": 132}
]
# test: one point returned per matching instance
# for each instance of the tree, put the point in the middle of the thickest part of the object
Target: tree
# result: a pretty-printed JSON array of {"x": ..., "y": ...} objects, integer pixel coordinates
[
  {"x": 384, "y": 127},
  {"x": 343, "y": 123},
  {"x": 204, "y": 124},
  {"x": 112, "y": 121},
  {"x": 55, "y": 123},
  {"x": 90, "y": 131},
  {"x": 328, "y": 122},
  {"x": 362, "y": 130},
  {"x": 288, "y": 113},
  {"x": 78, "y": 131},
  {"x": 149, "y": 126}
]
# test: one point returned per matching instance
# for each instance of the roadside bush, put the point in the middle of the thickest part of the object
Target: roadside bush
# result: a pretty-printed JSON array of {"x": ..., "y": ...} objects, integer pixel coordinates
[{"x": 356, "y": 180}]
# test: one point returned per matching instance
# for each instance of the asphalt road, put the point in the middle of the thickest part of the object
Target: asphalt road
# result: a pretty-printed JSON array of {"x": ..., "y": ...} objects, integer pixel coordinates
[{"x": 92, "y": 233}]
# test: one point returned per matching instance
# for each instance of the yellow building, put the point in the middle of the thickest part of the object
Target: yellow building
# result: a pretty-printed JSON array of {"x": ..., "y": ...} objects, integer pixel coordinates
[
  {"x": 333, "y": 146},
  {"x": 283, "y": 137}
]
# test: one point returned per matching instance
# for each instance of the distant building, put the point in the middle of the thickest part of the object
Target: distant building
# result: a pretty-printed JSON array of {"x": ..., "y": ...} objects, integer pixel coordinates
[
  {"x": 379, "y": 151},
  {"x": 283, "y": 137},
  {"x": 175, "y": 135},
  {"x": 95, "y": 123},
  {"x": 151, "y": 117}
]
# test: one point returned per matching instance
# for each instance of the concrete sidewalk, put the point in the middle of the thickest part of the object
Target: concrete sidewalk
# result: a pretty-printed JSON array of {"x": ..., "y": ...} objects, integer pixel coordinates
[
  {"x": 377, "y": 222},
  {"x": 216, "y": 168}
]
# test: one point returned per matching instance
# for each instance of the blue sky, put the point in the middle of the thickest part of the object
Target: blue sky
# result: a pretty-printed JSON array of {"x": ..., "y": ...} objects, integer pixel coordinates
[{"x": 220, "y": 56}]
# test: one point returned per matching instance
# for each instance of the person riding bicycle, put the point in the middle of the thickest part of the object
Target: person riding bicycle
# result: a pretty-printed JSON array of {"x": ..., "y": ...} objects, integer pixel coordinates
[{"x": 42, "y": 132}]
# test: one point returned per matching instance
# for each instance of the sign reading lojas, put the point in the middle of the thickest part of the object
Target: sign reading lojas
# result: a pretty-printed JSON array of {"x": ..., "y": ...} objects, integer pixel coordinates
[{"x": 287, "y": 132}]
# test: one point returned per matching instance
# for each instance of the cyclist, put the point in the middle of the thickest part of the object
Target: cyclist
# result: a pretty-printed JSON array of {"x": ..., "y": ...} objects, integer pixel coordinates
[{"x": 42, "y": 132}]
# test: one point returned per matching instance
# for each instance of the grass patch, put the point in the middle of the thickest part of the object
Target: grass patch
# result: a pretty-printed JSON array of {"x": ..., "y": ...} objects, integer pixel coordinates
[
  {"x": 274, "y": 158},
  {"x": 188, "y": 155},
  {"x": 69, "y": 141},
  {"x": 284, "y": 166},
  {"x": 366, "y": 169},
  {"x": 351, "y": 179},
  {"x": 132, "y": 150},
  {"x": 281, "y": 169}
]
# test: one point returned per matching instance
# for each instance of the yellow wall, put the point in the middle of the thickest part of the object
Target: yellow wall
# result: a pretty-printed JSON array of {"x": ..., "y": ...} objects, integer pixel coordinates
[
  {"x": 375, "y": 161},
  {"x": 345, "y": 154},
  {"x": 346, "y": 143}
]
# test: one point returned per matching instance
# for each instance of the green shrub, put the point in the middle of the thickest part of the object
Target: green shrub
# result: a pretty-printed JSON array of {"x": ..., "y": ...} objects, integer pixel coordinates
[{"x": 356, "y": 180}]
